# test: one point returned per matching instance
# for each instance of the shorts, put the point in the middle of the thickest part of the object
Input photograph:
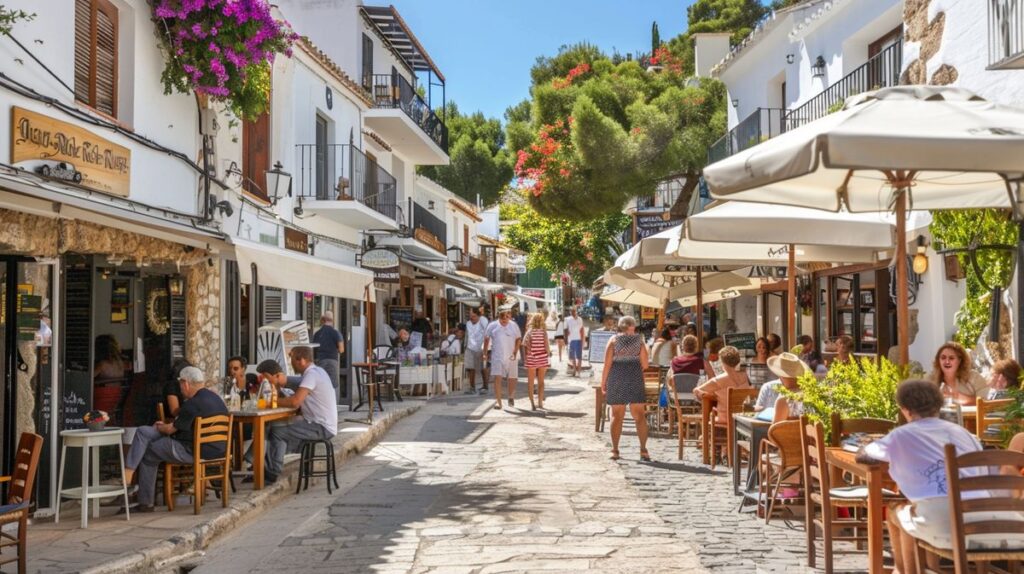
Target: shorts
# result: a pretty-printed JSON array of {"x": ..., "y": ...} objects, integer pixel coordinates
[
  {"x": 576, "y": 350},
  {"x": 928, "y": 520},
  {"x": 474, "y": 360},
  {"x": 506, "y": 369}
]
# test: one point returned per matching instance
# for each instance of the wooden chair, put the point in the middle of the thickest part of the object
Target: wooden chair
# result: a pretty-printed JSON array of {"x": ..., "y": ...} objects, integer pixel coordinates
[
  {"x": 842, "y": 428},
  {"x": 781, "y": 460},
  {"x": 652, "y": 397},
  {"x": 19, "y": 498},
  {"x": 207, "y": 430},
  {"x": 684, "y": 409},
  {"x": 734, "y": 404},
  {"x": 821, "y": 495},
  {"x": 990, "y": 416}
]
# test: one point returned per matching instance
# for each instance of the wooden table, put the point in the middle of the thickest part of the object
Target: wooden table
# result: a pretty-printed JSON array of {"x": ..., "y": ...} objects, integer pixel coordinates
[
  {"x": 875, "y": 475},
  {"x": 258, "y": 419},
  {"x": 754, "y": 429},
  {"x": 598, "y": 406}
]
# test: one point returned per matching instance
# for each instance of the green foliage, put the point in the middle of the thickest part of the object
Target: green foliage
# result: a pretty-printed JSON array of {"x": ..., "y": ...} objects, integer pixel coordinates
[
  {"x": 1013, "y": 415},
  {"x": 479, "y": 162},
  {"x": 854, "y": 390},
  {"x": 655, "y": 37},
  {"x": 780, "y": 4},
  {"x": 9, "y": 17},
  {"x": 735, "y": 16},
  {"x": 583, "y": 248},
  {"x": 962, "y": 228}
]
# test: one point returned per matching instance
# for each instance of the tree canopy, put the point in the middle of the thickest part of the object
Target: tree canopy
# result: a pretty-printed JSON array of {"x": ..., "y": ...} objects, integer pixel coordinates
[{"x": 479, "y": 162}]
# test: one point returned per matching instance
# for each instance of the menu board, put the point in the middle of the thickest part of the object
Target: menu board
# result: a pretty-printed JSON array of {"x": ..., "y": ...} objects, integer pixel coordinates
[
  {"x": 598, "y": 344},
  {"x": 400, "y": 317},
  {"x": 76, "y": 404},
  {"x": 742, "y": 341}
]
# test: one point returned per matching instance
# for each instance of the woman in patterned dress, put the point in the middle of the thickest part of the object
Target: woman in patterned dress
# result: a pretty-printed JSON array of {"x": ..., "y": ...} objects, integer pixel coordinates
[
  {"x": 622, "y": 383},
  {"x": 536, "y": 357}
]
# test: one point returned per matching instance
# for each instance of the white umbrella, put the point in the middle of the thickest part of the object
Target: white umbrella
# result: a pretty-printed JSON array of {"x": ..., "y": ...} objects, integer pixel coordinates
[
  {"x": 668, "y": 288},
  {"x": 918, "y": 146}
]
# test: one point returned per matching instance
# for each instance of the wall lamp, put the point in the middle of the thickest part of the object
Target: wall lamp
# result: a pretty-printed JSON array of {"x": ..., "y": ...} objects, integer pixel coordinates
[
  {"x": 920, "y": 258},
  {"x": 818, "y": 69},
  {"x": 278, "y": 182},
  {"x": 790, "y": 58},
  {"x": 735, "y": 103}
]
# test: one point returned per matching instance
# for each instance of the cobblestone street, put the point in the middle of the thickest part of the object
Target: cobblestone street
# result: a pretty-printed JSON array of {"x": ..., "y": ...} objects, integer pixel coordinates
[{"x": 460, "y": 487}]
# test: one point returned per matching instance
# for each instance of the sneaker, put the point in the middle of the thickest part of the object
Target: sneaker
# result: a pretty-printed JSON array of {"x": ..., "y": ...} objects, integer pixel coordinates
[{"x": 269, "y": 478}]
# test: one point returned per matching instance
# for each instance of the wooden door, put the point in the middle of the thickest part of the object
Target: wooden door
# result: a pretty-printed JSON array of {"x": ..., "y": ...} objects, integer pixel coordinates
[
  {"x": 465, "y": 240},
  {"x": 256, "y": 156}
]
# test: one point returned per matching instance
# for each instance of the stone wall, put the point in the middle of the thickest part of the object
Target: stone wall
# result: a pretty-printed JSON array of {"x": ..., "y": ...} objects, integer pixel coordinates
[
  {"x": 202, "y": 336},
  {"x": 927, "y": 33}
]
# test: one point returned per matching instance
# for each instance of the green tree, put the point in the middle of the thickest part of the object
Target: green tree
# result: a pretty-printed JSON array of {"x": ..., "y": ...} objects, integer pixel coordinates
[
  {"x": 583, "y": 249},
  {"x": 655, "y": 37},
  {"x": 9, "y": 17},
  {"x": 479, "y": 162}
]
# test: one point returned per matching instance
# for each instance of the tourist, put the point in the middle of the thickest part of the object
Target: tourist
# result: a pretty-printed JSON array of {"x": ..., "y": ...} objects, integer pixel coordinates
[
  {"x": 952, "y": 373},
  {"x": 171, "y": 394},
  {"x": 485, "y": 317},
  {"x": 109, "y": 365},
  {"x": 664, "y": 349},
  {"x": 317, "y": 404},
  {"x": 536, "y": 356},
  {"x": 560, "y": 333},
  {"x": 690, "y": 329},
  {"x": 775, "y": 344},
  {"x": 331, "y": 345},
  {"x": 711, "y": 364},
  {"x": 622, "y": 383},
  {"x": 452, "y": 344},
  {"x": 575, "y": 336},
  {"x": 475, "y": 332},
  {"x": 809, "y": 352},
  {"x": 503, "y": 339},
  {"x": 422, "y": 325},
  {"x": 1005, "y": 375},
  {"x": 519, "y": 318},
  {"x": 844, "y": 350},
  {"x": 246, "y": 384},
  {"x": 610, "y": 324},
  {"x": 731, "y": 378},
  {"x": 762, "y": 350},
  {"x": 917, "y": 462},
  {"x": 689, "y": 360},
  {"x": 789, "y": 368},
  {"x": 172, "y": 442}
]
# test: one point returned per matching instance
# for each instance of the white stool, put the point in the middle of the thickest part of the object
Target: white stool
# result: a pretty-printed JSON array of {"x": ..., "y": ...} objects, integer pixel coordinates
[{"x": 90, "y": 443}]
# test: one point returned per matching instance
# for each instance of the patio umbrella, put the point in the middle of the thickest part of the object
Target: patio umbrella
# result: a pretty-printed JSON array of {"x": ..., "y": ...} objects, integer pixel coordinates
[{"x": 916, "y": 147}]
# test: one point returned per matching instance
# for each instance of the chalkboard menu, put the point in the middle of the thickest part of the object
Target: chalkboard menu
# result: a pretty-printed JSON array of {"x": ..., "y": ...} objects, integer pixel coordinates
[
  {"x": 400, "y": 317},
  {"x": 598, "y": 344},
  {"x": 77, "y": 400},
  {"x": 742, "y": 341}
]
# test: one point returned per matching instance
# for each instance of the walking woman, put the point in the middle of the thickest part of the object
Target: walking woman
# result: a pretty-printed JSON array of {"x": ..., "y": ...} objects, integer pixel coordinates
[
  {"x": 536, "y": 356},
  {"x": 622, "y": 382},
  {"x": 560, "y": 336}
]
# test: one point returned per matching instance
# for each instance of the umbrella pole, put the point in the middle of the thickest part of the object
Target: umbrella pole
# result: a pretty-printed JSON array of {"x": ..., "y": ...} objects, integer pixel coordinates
[
  {"x": 791, "y": 312},
  {"x": 700, "y": 311},
  {"x": 902, "y": 296}
]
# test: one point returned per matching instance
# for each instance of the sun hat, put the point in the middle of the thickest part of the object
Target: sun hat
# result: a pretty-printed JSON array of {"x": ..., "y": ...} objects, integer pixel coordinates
[{"x": 787, "y": 365}]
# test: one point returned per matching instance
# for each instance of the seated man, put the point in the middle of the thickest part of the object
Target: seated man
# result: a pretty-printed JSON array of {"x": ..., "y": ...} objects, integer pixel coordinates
[
  {"x": 316, "y": 401},
  {"x": 173, "y": 442},
  {"x": 452, "y": 344}
]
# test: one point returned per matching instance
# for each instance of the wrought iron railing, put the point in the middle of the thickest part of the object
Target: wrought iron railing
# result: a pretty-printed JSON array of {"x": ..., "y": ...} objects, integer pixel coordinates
[
  {"x": 764, "y": 123},
  {"x": 1005, "y": 34},
  {"x": 469, "y": 264},
  {"x": 343, "y": 172},
  {"x": 502, "y": 275},
  {"x": 426, "y": 224},
  {"x": 394, "y": 91}
]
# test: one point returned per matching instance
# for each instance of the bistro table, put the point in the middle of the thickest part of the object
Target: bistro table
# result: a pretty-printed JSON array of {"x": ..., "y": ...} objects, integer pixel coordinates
[
  {"x": 90, "y": 443},
  {"x": 258, "y": 419},
  {"x": 754, "y": 429},
  {"x": 875, "y": 475}
]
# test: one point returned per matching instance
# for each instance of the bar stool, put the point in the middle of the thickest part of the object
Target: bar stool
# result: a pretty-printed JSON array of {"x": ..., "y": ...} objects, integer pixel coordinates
[{"x": 308, "y": 458}]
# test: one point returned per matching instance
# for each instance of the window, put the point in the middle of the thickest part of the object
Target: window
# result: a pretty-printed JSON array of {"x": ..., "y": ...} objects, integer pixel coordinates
[
  {"x": 96, "y": 55},
  {"x": 367, "y": 62}
]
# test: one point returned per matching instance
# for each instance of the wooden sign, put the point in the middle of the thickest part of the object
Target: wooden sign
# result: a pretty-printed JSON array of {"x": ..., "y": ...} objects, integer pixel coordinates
[
  {"x": 104, "y": 165},
  {"x": 295, "y": 240},
  {"x": 431, "y": 240},
  {"x": 384, "y": 263}
]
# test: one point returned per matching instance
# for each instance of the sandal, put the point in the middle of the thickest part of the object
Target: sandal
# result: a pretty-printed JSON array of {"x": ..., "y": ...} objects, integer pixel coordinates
[
  {"x": 615, "y": 454},
  {"x": 645, "y": 456}
]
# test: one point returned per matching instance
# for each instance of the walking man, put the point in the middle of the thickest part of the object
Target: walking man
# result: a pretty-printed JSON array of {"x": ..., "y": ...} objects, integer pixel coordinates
[
  {"x": 503, "y": 338},
  {"x": 331, "y": 345},
  {"x": 475, "y": 332},
  {"x": 574, "y": 324}
]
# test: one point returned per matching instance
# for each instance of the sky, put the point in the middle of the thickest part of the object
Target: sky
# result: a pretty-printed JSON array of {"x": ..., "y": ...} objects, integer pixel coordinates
[{"x": 485, "y": 48}]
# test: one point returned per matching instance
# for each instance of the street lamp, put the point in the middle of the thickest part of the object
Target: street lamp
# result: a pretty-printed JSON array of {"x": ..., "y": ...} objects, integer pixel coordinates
[
  {"x": 278, "y": 181},
  {"x": 920, "y": 258},
  {"x": 818, "y": 69}
]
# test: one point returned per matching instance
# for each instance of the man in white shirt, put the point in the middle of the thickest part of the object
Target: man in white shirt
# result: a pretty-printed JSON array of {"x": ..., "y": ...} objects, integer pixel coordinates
[
  {"x": 475, "y": 333},
  {"x": 574, "y": 326},
  {"x": 452, "y": 344},
  {"x": 503, "y": 339}
]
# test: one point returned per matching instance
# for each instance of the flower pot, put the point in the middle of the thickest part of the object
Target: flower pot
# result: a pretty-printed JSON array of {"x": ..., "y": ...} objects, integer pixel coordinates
[{"x": 96, "y": 425}]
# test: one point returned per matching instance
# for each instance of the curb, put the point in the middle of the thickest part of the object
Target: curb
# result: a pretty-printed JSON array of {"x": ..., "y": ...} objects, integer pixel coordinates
[{"x": 188, "y": 543}]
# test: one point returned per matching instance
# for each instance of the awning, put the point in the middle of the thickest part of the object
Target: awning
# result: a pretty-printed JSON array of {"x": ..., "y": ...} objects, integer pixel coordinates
[
  {"x": 284, "y": 269},
  {"x": 444, "y": 276}
]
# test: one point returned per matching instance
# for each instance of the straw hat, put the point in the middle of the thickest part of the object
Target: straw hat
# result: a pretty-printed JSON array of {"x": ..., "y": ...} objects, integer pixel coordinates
[{"x": 787, "y": 365}]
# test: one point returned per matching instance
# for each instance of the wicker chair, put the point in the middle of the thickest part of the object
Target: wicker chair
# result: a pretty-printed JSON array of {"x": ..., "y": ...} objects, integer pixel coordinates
[
  {"x": 722, "y": 434},
  {"x": 684, "y": 409},
  {"x": 781, "y": 461}
]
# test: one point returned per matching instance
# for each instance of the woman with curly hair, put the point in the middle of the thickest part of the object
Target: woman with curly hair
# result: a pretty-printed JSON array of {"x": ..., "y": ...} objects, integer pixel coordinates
[{"x": 951, "y": 371}]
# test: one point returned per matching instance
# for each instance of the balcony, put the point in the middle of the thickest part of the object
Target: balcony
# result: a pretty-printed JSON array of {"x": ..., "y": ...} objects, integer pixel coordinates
[
  {"x": 428, "y": 229},
  {"x": 501, "y": 275},
  {"x": 880, "y": 71},
  {"x": 405, "y": 121},
  {"x": 466, "y": 263},
  {"x": 1005, "y": 34},
  {"x": 338, "y": 182}
]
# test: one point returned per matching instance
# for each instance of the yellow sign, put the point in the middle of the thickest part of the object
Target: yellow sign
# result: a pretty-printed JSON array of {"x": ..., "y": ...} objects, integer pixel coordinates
[{"x": 104, "y": 165}]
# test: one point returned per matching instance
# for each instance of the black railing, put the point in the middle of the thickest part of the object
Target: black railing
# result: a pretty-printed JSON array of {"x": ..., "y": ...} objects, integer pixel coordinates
[
  {"x": 343, "y": 172},
  {"x": 394, "y": 91},
  {"x": 423, "y": 220},
  {"x": 759, "y": 126},
  {"x": 502, "y": 275},
  {"x": 1005, "y": 34},
  {"x": 880, "y": 71}
]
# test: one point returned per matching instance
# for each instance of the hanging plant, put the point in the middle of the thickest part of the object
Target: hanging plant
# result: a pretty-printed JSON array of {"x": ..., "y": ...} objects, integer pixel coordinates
[{"x": 222, "y": 50}]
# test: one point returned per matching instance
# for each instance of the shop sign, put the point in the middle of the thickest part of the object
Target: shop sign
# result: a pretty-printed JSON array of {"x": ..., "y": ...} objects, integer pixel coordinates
[
  {"x": 538, "y": 293},
  {"x": 424, "y": 236},
  {"x": 295, "y": 240},
  {"x": 384, "y": 264},
  {"x": 517, "y": 269},
  {"x": 648, "y": 225},
  {"x": 70, "y": 152}
]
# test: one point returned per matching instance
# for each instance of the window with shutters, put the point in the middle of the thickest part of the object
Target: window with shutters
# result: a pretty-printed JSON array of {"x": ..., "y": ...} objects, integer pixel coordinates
[
  {"x": 273, "y": 304},
  {"x": 96, "y": 34}
]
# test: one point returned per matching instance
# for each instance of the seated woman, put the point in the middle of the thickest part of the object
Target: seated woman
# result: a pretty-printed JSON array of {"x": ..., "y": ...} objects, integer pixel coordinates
[
  {"x": 712, "y": 366},
  {"x": 917, "y": 462},
  {"x": 689, "y": 361},
  {"x": 808, "y": 352},
  {"x": 952, "y": 373},
  {"x": 774, "y": 344},
  {"x": 1005, "y": 375},
  {"x": 844, "y": 350},
  {"x": 731, "y": 378},
  {"x": 664, "y": 349}
]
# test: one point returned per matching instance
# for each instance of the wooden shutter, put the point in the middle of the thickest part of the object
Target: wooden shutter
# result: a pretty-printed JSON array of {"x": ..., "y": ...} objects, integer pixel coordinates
[
  {"x": 96, "y": 32},
  {"x": 367, "y": 62},
  {"x": 273, "y": 304},
  {"x": 256, "y": 155}
]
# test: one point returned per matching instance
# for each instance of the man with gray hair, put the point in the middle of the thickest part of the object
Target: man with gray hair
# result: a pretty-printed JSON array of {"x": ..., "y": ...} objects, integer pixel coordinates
[
  {"x": 172, "y": 442},
  {"x": 331, "y": 345}
]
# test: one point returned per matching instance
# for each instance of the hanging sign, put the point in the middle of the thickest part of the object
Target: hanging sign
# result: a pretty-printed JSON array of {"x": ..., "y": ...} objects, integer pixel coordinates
[
  {"x": 384, "y": 264},
  {"x": 70, "y": 152},
  {"x": 295, "y": 240}
]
